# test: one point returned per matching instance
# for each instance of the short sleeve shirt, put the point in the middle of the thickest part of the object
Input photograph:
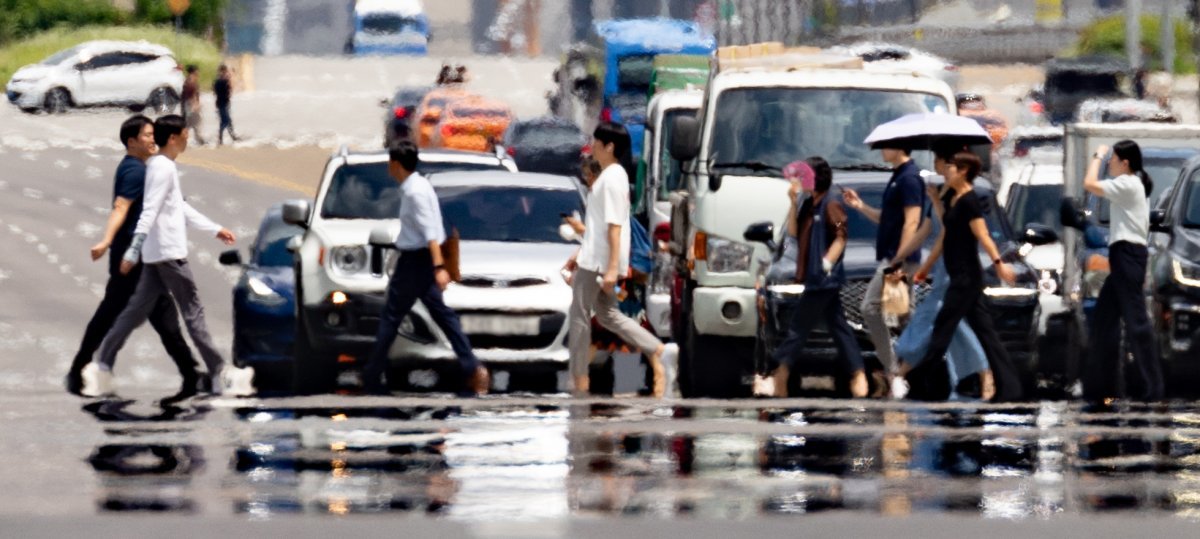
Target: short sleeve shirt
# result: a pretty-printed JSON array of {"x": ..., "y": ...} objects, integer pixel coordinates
[
  {"x": 420, "y": 215},
  {"x": 1129, "y": 209},
  {"x": 904, "y": 189},
  {"x": 608, "y": 204},
  {"x": 129, "y": 183},
  {"x": 960, "y": 247}
]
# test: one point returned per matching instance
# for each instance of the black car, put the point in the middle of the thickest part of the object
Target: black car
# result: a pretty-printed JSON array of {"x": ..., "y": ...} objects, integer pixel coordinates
[
  {"x": 1175, "y": 277},
  {"x": 1015, "y": 309},
  {"x": 397, "y": 121},
  {"x": 549, "y": 145},
  {"x": 1071, "y": 81}
]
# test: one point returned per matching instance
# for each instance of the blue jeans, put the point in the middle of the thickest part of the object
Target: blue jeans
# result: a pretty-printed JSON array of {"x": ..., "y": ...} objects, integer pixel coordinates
[
  {"x": 965, "y": 355},
  {"x": 413, "y": 280}
]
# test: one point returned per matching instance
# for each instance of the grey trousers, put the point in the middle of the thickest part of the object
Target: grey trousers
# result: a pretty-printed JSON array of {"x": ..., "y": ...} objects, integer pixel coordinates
[
  {"x": 172, "y": 277},
  {"x": 587, "y": 298},
  {"x": 872, "y": 313}
]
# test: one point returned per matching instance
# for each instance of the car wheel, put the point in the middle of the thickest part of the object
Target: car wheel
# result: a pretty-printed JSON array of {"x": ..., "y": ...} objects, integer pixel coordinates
[
  {"x": 162, "y": 100},
  {"x": 29, "y": 110},
  {"x": 313, "y": 371},
  {"x": 58, "y": 100}
]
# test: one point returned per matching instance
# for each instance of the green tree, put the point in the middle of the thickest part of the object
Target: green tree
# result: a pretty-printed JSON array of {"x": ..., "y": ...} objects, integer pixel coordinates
[{"x": 1107, "y": 36}]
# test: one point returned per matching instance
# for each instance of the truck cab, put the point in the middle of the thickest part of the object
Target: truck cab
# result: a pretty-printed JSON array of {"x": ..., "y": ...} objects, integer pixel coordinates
[{"x": 759, "y": 114}]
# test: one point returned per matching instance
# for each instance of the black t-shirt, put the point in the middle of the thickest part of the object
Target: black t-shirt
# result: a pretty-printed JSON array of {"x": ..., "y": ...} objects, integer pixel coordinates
[
  {"x": 130, "y": 181},
  {"x": 904, "y": 189},
  {"x": 221, "y": 89},
  {"x": 960, "y": 247}
]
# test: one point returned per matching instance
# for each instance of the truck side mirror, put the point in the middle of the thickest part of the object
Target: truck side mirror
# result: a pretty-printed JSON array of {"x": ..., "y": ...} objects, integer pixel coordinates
[
  {"x": 1071, "y": 215},
  {"x": 685, "y": 138},
  {"x": 762, "y": 232},
  {"x": 1158, "y": 219},
  {"x": 1039, "y": 234},
  {"x": 297, "y": 212}
]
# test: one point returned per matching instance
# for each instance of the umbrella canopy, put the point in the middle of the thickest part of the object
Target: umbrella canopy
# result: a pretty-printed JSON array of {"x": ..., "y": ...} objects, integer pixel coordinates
[{"x": 924, "y": 130}]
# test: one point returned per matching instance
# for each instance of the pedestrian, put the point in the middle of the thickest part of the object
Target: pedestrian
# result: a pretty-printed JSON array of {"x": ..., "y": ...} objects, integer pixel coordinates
[
  {"x": 86, "y": 378},
  {"x": 601, "y": 261},
  {"x": 819, "y": 224},
  {"x": 420, "y": 273},
  {"x": 160, "y": 244},
  {"x": 964, "y": 230},
  {"x": 899, "y": 219},
  {"x": 1122, "y": 298},
  {"x": 223, "y": 88},
  {"x": 965, "y": 356},
  {"x": 191, "y": 102}
]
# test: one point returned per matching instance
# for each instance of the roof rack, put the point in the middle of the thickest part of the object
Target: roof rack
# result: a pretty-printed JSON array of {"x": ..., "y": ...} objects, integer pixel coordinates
[{"x": 773, "y": 56}]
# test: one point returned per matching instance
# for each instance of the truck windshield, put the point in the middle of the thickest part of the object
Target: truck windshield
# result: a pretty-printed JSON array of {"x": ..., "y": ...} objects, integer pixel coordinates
[
  {"x": 779, "y": 125},
  {"x": 384, "y": 24},
  {"x": 861, "y": 229}
]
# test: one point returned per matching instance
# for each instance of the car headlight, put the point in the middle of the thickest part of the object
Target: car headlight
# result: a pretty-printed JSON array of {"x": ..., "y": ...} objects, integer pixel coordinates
[
  {"x": 349, "y": 259},
  {"x": 726, "y": 256},
  {"x": 1185, "y": 275},
  {"x": 261, "y": 292}
]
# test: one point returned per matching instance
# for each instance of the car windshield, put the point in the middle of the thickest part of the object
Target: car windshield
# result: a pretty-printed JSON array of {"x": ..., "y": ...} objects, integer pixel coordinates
[
  {"x": 270, "y": 248},
  {"x": 859, "y": 228},
  {"x": 368, "y": 192},
  {"x": 476, "y": 112},
  {"x": 60, "y": 56},
  {"x": 669, "y": 170},
  {"x": 507, "y": 214},
  {"x": 635, "y": 72},
  {"x": 547, "y": 136},
  {"x": 1164, "y": 171},
  {"x": 1035, "y": 204},
  {"x": 776, "y": 126},
  {"x": 382, "y": 24}
]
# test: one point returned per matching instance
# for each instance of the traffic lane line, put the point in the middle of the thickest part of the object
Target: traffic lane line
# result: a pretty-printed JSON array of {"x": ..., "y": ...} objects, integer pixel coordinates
[{"x": 261, "y": 178}]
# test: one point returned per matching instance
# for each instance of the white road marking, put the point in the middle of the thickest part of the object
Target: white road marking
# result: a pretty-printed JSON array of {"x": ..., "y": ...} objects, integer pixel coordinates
[
  {"x": 32, "y": 193},
  {"x": 63, "y": 164},
  {"x": 92, "y": 172}
]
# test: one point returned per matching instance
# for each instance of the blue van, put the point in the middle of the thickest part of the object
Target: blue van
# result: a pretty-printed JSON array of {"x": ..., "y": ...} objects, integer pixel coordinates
[
  {"x": 609, "y": 77},
  {"x": 389, "y": 27}
]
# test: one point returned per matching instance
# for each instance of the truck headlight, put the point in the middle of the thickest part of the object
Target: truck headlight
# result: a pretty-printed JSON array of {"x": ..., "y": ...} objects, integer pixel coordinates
[
  {"x": 1010, "y": 292},
  {"x": 262, "y": 293},
  {"x": 726, "y": 256},
  {"x": 349, "y": 259},
  {"x": 1185, "y": 275}
]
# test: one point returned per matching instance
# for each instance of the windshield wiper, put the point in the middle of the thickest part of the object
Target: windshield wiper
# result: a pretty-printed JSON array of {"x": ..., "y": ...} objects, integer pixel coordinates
[
  {"x": 873, "y": 167},
  {"x": 756, "y": 166}
]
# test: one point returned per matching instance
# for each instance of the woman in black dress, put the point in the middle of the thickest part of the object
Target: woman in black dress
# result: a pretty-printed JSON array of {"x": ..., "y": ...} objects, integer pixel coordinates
[{"x": 965, "y": 230}]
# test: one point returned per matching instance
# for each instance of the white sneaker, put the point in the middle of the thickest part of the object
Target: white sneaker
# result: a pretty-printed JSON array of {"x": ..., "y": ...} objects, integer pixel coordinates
[
  {"x": 764, "y": 386},
  {"x": 97, "y": 382},
  {"x": 670, "y": 364},
  {"x": 899, "y": 387},
  {"x": 236, "y": 381}
]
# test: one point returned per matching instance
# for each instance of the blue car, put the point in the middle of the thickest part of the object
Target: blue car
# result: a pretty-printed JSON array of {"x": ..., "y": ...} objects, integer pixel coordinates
[
  {"x": 264, "y": 304},
  {"x": 387, "y": 27}
]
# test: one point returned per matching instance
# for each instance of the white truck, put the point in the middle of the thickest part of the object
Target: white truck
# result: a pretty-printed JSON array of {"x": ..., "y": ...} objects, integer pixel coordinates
[
  {"x": 1165, "y": 150},
  {"x": 758, "y": 115}
]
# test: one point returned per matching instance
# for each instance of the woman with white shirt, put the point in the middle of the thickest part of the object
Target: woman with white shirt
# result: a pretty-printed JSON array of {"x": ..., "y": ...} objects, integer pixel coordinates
[{"x": 1122, "y": 298}]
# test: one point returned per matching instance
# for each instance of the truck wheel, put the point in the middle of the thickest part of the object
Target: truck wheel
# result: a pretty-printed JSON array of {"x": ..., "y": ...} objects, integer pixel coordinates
[{"x": 718, "y": 366}]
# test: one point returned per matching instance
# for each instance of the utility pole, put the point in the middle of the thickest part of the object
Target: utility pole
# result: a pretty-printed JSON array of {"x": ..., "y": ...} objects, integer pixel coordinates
[
  {"x": 1167, "y": 35},
  {"x": 1196, "y": 38},
  {"x": 1133, "y": 33}
]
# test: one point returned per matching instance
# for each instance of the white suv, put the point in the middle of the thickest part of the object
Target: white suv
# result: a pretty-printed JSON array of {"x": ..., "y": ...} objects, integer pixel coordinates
[
  {"x": 125, "y": 73},
  {"x": 339, "y": 284}
]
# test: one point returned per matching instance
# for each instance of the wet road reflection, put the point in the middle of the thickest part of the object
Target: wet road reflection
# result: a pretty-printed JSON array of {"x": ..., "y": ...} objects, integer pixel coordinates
[{"x": 527, "y": 459}]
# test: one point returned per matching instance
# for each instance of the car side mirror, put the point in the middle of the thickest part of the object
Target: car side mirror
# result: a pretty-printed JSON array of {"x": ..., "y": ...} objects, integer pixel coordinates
[
  {"x": 230, "y": 258},
  {"x": 685, "y": 138},
  {"x": 294, "y": 244},
  {"x": 381, "y": 239},
  {"x": 762, "y": 232},
  {"x": 1071, "y": 215},
  {"x": 1039, "y": 234},
  {"x": 297, "y": 212},
  {"x": 1158, "y": 220}
]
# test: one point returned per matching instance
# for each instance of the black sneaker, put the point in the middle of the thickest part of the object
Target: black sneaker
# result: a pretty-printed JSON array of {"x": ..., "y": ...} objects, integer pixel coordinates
[{"x": 74, "y": 383}]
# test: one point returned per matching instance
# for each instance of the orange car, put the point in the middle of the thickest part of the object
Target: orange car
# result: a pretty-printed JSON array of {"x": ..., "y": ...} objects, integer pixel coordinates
[
  {"x": 429, "y": 112},
  {"x": 975, "y": 107},
  {"x": 473, "y": 124}
]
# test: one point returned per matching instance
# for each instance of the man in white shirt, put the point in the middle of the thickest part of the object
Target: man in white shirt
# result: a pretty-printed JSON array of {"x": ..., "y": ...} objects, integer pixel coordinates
[
  {"x": 420, "y": 274},
  {"x": 160, "y": 243},
  {"x": 602, "y": 261}
]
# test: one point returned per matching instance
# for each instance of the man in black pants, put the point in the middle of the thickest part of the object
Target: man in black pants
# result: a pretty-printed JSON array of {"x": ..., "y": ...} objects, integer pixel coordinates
[
  {"x": 137, "y": 134},
  {"x": 420, "y": 274}
]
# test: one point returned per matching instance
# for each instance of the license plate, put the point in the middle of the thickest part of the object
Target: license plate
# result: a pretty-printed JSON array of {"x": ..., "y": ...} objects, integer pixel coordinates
[{"x": 500, "y": 325}]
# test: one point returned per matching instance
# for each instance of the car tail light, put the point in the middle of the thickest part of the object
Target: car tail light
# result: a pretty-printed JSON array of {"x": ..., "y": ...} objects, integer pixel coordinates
[
  {"x": 1036, "y": 107},
  {"x": 662, "y": 233},
  {"x": 449, "y": 131},
  {"x": 951, "y": 67},
  {"x": 585, "y": 151},
  {"x": 400, "y": 112},
  {"x": 1020, "y": 151},
  {"x": 512, "y": 152}
]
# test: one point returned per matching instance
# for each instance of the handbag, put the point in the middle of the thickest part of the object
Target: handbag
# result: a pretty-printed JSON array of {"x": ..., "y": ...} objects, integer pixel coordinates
[
  {"x": 895, "y": 301},
  {"x": 450, "y": 255}
]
